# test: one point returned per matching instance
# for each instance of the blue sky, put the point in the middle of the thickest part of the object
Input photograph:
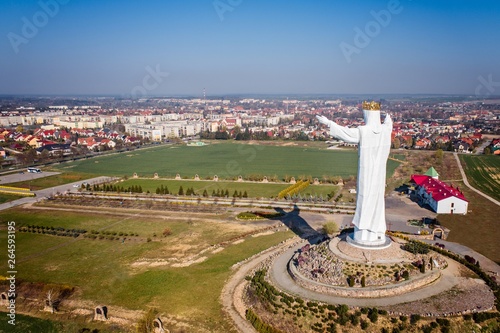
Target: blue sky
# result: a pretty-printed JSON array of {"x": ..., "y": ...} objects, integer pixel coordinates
[{"x": 248, "y": 46}]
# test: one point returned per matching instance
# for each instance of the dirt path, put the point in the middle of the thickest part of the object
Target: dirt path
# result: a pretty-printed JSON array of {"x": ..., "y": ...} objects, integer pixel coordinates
[{"x": 233, "y": 291}]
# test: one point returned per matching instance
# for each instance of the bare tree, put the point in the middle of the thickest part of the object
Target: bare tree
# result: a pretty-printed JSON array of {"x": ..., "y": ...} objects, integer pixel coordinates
[{"x": 51, "y": 301}]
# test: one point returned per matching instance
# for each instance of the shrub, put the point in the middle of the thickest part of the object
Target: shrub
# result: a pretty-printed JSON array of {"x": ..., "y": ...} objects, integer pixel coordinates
[
  {"x": 258, "y": 324},
  {"x": 443, "y": 322},
  {"x": 482, "y": 316},
  {"x": 342, "y": 309},
  {"x": 373, "y": 316},
  {"x": 426, "y": 329},
  {"x": 470, "y": 259},
  {"x": 330, "y": 228},
  {"x": 354, "y": 320},
  {"x": 416, "y": 247},
  {"x": 414, "y": 318}
]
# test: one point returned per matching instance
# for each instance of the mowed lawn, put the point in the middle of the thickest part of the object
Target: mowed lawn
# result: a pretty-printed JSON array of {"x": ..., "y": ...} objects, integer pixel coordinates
[
  {"x": 104, "y": 273},
  {"x": 483, "y": 172},
  {"x": 254, "y": 190},
  {"x": 4, "y": 197},
  {"x": 227, "y": 160}
]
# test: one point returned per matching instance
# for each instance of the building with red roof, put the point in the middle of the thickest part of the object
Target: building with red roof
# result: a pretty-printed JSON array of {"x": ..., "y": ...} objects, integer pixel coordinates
[{"x": 441, "y": 197}]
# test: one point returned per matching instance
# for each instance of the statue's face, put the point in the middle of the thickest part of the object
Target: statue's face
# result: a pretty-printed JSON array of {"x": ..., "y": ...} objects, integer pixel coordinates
[{"x": 371, "y": 116}]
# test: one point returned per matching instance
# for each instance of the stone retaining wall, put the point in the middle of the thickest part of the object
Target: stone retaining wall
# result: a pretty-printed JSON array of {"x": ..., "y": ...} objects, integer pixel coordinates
[{"x": 360, "y": 292}]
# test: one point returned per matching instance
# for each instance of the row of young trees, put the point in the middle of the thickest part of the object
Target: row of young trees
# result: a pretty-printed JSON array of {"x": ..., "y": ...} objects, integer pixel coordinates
[
  {"x": 55, "y": 231},
  {"x": 220, "y": 193},
  {"x": 116, "y": 188},
  {"x": 164, "y": 190}
]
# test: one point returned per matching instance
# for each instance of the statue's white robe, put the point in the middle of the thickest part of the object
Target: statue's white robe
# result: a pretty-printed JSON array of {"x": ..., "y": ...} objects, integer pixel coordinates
[{"x": 374, "y": 144}]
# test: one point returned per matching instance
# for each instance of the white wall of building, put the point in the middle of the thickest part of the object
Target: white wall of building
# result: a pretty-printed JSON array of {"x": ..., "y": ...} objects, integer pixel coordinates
[{"x": 452, "y": 205}]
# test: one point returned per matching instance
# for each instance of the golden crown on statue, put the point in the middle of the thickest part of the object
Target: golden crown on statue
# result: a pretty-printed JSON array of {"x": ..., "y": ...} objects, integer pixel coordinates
[{"x": 371, "y": 106}]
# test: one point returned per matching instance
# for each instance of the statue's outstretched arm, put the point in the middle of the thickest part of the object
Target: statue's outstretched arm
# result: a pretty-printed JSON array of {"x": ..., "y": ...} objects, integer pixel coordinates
[
  {"x": 346, "y": 134},
  {"x": 388, "y": 119}
]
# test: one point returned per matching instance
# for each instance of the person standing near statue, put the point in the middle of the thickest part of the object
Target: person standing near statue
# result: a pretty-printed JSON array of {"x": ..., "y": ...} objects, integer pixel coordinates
[{"x": 374, "y": 144}]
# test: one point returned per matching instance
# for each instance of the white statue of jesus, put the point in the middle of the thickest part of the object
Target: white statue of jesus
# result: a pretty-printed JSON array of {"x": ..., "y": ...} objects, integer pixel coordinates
[{"x": 374, "y": 144}]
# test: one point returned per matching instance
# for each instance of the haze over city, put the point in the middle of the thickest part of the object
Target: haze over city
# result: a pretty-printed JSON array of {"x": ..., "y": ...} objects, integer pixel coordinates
[{"x": 260, "y": 47}]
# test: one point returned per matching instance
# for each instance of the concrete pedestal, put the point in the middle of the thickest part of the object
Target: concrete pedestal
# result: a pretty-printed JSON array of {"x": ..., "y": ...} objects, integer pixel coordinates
[{"x": 368, "y": 240}]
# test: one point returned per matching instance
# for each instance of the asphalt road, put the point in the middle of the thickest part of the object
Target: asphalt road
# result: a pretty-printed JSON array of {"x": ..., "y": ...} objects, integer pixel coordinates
[
  {"x": 48, "y": 192},
  {"x": 23, "y": 175}
]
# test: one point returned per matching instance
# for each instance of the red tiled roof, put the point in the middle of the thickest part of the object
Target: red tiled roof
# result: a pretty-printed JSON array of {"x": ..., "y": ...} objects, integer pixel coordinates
[
  {"x": 419, "y": 179},
  {"x": 437, "y": 188}
]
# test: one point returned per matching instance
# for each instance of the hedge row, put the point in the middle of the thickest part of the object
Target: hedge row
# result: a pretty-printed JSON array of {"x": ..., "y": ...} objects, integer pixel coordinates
[
  {"x": 258, "y": 324},
  {"x": 294, "y": 189}
]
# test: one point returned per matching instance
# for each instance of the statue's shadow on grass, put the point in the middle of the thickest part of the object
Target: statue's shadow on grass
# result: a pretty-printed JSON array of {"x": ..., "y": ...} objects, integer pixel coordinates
[{"x": 298, "y": 225}]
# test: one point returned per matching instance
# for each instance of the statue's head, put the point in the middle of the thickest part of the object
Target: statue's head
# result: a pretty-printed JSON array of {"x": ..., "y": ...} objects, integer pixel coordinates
[{"x": 371, "y": 113}]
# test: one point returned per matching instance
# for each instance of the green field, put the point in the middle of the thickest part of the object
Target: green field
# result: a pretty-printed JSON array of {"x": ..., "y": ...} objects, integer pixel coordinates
[
  {"x": 27, "y": 324},
  {"x": 227, "y": 160},
  {"x": 103, "y": 270},
  {"x": 400, "y": 157},
  {"x": 483, "y": 172},
  {"x": 254, "y": 190}
]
